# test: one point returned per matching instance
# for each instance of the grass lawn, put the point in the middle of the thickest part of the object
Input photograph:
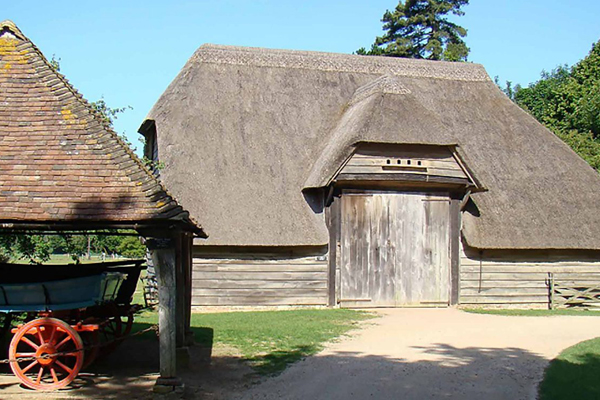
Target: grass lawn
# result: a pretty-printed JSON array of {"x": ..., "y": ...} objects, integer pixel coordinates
[
  {"x": 269, "y": 340},
  {"x": 574, "y": 373},
  {"x": 535, "y": 313}
]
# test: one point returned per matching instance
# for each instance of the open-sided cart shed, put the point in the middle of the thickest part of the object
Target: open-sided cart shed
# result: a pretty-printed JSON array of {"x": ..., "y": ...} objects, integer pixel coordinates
[{"x": 63, "y": 170}]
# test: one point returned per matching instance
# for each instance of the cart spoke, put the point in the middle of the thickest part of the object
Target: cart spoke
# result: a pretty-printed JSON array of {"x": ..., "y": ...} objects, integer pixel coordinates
[
  {"x": 27, "y": 368},
  {"x": 25, "y": 339},
  {"x": 39, "y": 377},
  {"x": 52, "y": 334},
  {"x": 63, "y": 342},
  {"x": 63, "y": 366},
  {"x": 17, "y": 355},
  {"x": 54, "y": 377},
  {"x": 61, "y": 354},
  {"x": 39, "y": 332}
]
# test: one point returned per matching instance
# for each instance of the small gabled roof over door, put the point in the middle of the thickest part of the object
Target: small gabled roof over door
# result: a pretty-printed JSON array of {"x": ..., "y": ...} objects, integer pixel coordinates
[{"x": 412, "y": 166}]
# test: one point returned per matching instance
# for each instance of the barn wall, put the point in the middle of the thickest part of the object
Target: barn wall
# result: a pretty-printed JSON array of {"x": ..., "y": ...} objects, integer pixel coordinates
[
  {"x": 519, "y": 280},
  {"x": 258, "y": 280}
]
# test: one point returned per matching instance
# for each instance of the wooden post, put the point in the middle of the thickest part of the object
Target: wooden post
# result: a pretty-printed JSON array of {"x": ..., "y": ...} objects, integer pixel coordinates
[
  {"x": 454, "y": 250},
  {"x": 551, "y": 289},
  {"x": 184, "y": 335},
  {"x": 188, "y": 241},
  {"x": 333, "y": 221},
  {"x": 163, "y": 252},
  {"x": 180, "y": 292}
]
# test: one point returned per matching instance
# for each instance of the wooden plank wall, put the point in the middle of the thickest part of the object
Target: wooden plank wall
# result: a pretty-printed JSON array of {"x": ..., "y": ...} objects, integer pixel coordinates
[
  {"x": 522, "y": 284},
  {"x": 411, "y": 159},
  {"x": 394, "y": 249},
  {"x": 254, "y": 281}
]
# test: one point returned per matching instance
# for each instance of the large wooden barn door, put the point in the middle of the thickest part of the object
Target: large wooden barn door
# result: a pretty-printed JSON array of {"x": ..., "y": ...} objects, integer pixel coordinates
[{"x": 394, "y": 249}]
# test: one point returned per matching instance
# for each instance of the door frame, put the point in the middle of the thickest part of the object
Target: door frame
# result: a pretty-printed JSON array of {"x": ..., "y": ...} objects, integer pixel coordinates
[{"x": 333, "y": 220}]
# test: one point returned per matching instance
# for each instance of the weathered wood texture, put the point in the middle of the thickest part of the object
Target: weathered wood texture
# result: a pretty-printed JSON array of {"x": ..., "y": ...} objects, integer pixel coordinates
[
  {"x": 419, "y": 160},
  {"x": 164, "y": 261},
  {"x": 395, "y": 249},
  {"x": 455, "y": 218},
  {"x": 333, "y": 224},
  {"x": 180, "y": 291},
  {"x": 567, "y": 291},
  {"x": 508, "y": 281},
  {"x": 186, "y": 252},
  {"x": 265, "y": 281}
]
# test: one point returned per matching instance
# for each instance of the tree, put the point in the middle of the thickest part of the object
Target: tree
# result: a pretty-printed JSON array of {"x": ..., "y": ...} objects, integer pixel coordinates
[
  {"x": 567, "y": 101},
  {"x": 34, "y": 248},
  {"x": 421, "y": 29},
  {"x": 508, "y": 89},
  {"x": 132, "y": 247}
]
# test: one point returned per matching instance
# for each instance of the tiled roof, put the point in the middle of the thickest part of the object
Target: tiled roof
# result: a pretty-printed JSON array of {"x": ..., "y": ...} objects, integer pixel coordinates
[{"x": 58, "y": 160}]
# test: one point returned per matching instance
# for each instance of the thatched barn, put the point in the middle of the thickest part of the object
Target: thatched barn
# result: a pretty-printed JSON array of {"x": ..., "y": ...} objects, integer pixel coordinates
[{"x": 333, "y": 179}]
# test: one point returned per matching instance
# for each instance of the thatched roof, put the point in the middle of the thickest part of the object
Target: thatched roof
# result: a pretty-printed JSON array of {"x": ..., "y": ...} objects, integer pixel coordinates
[
  {"x": 377, "y": 113},
  {"x": 60, "y": 166},
  {"x": 244, "y": 133}
]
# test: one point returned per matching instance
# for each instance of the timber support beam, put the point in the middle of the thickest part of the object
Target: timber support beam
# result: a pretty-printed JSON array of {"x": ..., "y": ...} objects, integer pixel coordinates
[{"x": 166, "y": 257}]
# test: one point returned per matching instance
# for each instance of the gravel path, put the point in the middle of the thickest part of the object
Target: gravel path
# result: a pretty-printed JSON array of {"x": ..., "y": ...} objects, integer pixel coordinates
[{"x": 433, "y": 354}]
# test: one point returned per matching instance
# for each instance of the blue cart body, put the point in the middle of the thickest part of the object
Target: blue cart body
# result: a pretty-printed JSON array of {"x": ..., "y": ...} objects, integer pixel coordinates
[
  {"x": 39, "y": 288},
  {"x": 65, "y": 294}
]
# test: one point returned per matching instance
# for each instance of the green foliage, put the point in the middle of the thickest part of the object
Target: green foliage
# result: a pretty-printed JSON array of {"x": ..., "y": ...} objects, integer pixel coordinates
[
  {"x": 508, "y": 88},
  {"x": 573, "y": 374},
  {"x": 74, "y": 245},
  {"x": 39, "y": 248},
  {"x": 55, "y": 63},
  {"x": 551, "y": 99},
  {"x": 269, "y": 340},
  {"x": 567, "y": 101},
  {"x": 33, "y": 248},
  {"x": 108, "y": 114},
  {"x": 153, "y": 165},
  {"x": 421, "y": 29},
  {"x": 584, "y": 144},
  {"x": 131, "y": 247}
]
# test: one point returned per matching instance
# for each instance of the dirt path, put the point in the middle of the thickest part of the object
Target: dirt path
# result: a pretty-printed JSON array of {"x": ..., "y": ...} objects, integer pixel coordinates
[
  {"x": 433, "y": 354},
  {"x": 405, "y": 354}
]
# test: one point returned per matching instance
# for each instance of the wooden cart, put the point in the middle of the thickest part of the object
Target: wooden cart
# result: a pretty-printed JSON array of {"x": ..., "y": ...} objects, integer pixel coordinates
[{"x": 72, "y": 314}]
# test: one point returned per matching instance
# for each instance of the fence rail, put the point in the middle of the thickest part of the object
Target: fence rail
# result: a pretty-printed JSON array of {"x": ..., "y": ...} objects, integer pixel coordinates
[{"x": 570, "y": 291}]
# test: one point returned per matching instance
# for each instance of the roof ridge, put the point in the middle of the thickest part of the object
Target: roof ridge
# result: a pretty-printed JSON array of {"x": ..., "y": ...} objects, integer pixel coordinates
[
  {"x": 340, "y": 62},
  {"x": 11, "y": 26},
  {"x": 385, "y": 84}
]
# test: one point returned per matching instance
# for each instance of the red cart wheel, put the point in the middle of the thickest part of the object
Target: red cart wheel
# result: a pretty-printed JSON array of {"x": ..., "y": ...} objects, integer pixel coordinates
[
  {"x": 111, "y": 331},
  {"x": 90, "y": 341},
  {"x": 128, "y": 322},
  {"x": 46, "y": 337}
]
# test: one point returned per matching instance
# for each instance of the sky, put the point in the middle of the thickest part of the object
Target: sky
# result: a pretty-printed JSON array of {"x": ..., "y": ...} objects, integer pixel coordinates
[{"x": 128, "y": 51}]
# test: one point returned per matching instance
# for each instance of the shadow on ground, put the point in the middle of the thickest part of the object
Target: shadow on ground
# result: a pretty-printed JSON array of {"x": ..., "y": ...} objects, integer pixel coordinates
[
  {"x": 128, "y": 372},
  {"x": 443, "y": 372}
]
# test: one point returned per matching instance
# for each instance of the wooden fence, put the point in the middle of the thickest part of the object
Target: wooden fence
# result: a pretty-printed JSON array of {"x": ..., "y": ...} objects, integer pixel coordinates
[{"x": 573, "y": 291}]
